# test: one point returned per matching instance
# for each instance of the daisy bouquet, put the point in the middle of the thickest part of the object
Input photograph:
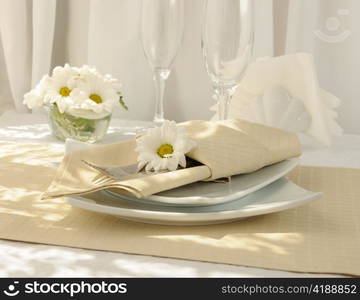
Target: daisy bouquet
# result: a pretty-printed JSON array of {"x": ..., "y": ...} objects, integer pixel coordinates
[{"x": 80, "y": 101}]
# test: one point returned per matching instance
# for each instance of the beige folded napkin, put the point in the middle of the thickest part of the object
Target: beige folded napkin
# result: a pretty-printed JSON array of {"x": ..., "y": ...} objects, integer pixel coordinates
[{"x": 224, "y": 149}]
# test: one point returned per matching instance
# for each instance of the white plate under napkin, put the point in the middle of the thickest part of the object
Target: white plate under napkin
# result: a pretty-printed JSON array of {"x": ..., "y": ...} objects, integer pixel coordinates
[
  {"x": 280, "y": 195},
  {"x": 209, "y": 193}
]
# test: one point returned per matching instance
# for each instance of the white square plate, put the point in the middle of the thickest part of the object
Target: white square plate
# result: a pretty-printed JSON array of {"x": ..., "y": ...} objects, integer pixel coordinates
[{"x": 280, "y": 195}]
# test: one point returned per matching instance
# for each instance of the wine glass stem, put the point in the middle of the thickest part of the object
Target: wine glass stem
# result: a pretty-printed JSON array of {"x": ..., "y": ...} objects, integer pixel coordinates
[
  {"x": 224, "y": 103},
  {"x": 160, "y": 77}
]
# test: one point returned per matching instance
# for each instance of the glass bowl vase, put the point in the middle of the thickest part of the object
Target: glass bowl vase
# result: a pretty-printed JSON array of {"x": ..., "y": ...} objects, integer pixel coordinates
[{"x": 65, "y": 125}]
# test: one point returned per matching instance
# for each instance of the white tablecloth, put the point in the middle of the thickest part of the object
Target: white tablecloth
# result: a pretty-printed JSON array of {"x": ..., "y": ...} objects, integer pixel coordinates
[{"x": 19, "y": 259}]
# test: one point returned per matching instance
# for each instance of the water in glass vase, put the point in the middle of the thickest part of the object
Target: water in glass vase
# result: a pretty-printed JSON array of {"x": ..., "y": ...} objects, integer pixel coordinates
[{"x": 65, "y": 125}]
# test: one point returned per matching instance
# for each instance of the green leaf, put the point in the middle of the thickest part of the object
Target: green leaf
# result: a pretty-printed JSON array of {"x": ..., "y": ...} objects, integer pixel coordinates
[{"x": 122, "y": 102}]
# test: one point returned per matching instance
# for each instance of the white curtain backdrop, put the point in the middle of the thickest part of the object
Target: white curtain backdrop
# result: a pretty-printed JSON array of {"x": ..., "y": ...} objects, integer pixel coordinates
[
  {"x": 36, "y": 35},
  {"x": 330, "y": 29}
]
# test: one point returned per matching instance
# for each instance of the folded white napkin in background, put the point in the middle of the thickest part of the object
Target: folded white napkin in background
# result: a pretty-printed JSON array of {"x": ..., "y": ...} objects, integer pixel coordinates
[{"x": 296, "y": 73}]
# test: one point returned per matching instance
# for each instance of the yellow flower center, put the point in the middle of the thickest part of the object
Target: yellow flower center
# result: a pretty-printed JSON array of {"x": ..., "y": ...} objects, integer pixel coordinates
[
  {"x": 96, "y": 98},
  {"x": 164, "y": 150},
  {"x": 65, "y": 91}
]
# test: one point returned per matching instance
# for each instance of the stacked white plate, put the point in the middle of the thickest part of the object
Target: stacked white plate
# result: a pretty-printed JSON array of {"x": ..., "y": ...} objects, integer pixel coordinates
[{"x": 202, "y": 203}]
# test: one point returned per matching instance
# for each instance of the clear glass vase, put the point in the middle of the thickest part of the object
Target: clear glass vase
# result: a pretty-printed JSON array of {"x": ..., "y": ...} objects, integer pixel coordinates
[{"x": 65, "y": 125}]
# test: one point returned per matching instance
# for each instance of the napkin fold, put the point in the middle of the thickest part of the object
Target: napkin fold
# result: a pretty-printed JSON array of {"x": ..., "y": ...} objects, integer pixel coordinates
[
  {"x": 297, "y": 74},
  {"x": 223, "y": 149}
]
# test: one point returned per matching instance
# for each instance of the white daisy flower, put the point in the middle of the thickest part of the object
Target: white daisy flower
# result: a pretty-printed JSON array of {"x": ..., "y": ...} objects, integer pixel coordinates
[
  {"x": 82, "y": 92},
  {"x": 59, "y": 87},
  {"x": 94, "y": 93},
  {"x": 163, "y": 148},
  {"x": 35, "y": 98},
  {"x": 87, "y": 72}
]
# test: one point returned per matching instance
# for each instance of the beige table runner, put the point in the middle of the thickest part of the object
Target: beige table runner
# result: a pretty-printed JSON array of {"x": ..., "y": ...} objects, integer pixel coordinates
[{"x": 323, "y": 236}]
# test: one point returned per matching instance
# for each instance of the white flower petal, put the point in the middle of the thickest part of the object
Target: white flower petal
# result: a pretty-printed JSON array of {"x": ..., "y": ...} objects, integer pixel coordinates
[
  {"x": 149, "y": 143},
  {"x": 82, "y": 83},
  {"x": 182, "y": 161},
  {"x": 172, "y": 164}
]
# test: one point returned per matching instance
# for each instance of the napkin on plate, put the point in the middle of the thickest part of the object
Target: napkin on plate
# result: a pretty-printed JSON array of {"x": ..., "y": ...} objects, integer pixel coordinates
[{"x": 223, "y": 149}]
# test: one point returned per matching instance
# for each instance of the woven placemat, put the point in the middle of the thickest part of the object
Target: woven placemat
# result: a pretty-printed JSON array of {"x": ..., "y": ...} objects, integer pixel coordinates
[{"x": 321, "y": 237}]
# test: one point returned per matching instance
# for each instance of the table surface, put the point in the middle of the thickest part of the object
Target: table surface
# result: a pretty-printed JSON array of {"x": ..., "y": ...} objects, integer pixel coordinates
[{"x": 18, "y": 259}]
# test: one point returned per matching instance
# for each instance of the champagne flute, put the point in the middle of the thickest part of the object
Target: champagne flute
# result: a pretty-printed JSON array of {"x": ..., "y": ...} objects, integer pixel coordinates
[
  {"x": 227, "y": 42},
  {"x": 162, "y": 26}
]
